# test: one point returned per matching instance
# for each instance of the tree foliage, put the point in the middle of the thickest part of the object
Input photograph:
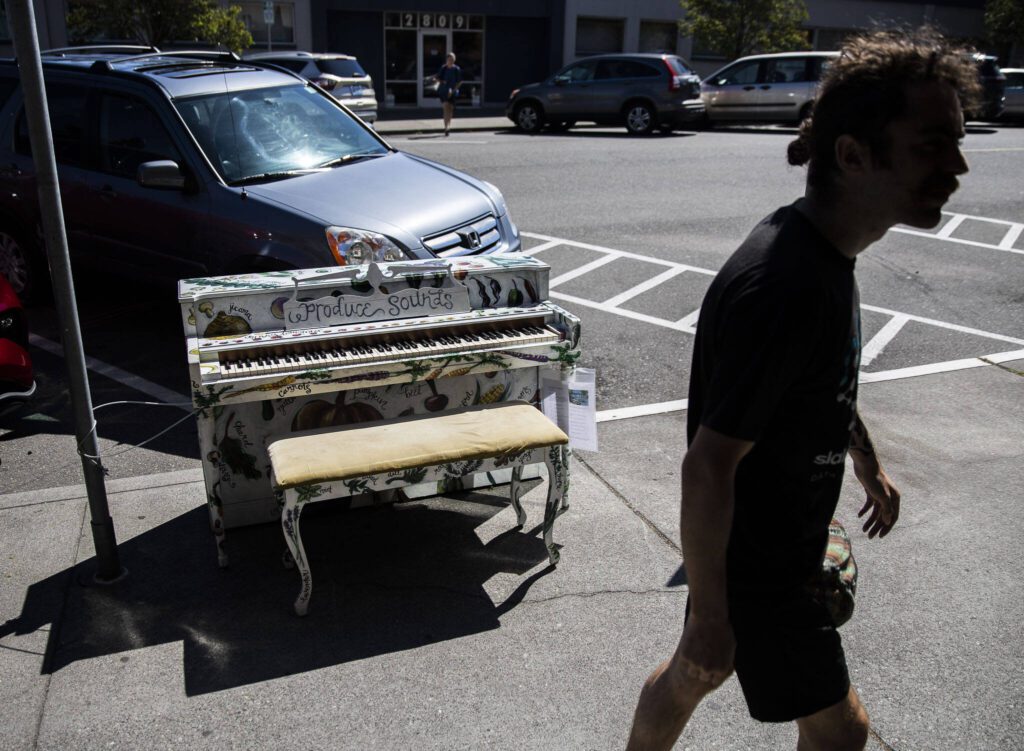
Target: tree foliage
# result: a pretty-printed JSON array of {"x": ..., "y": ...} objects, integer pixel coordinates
[
  {"x": 742, "y": 27},
  {"x": 1004, "y": 21},
  {"x": 158, "y": 22}
]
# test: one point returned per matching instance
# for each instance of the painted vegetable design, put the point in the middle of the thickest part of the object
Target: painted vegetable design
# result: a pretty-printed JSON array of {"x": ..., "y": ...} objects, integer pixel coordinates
[
  {"x": 232, "y": 451},
  {"x": 483, "y": 293},
  {"x": 320, "y": 413},
  {"x": 226, "y": 325},
  {"x": 515, "y": 297}
]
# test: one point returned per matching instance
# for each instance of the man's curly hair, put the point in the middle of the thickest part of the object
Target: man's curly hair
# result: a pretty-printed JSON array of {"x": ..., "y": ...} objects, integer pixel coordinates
[{"x": 865, "y": 89}]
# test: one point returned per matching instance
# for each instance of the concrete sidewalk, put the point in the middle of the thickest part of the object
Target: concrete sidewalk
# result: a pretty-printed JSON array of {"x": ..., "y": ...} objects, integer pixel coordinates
[
  {"x": 429, "y": 121},
  {"x": 437, "y": 625}
]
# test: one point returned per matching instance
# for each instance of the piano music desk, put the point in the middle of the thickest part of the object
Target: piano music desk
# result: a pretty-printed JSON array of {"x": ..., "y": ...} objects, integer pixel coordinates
[{"x": 318, "y": 465}]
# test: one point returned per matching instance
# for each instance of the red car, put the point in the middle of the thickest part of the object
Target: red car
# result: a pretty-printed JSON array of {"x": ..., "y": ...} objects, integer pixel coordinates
[{"x": 16, "y": 380}]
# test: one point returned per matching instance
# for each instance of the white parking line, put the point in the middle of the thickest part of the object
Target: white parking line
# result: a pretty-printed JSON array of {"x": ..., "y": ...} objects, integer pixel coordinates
[
  {"x": 886, "y": 334},
  {"x": 664, "y": 276},
  {"x": 945, "y": 232},
  {"x": 872, "y": 349},
  {"x": 114, "y": 373}
]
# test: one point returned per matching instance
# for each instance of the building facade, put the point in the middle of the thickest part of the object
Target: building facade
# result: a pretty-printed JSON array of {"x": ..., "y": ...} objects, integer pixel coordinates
[{"x": 503, "y": 44}]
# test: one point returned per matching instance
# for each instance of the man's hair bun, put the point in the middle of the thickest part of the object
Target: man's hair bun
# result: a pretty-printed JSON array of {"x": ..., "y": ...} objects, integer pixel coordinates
[{"x": 799, "y": 150}]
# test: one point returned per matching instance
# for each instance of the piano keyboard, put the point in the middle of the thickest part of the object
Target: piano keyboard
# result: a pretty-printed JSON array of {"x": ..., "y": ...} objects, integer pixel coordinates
[{"x": 341, "y": 353}]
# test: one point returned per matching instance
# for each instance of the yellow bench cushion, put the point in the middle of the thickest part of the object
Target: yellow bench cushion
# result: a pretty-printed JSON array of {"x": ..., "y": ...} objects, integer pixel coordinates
[{"x": 374, "y": 448}]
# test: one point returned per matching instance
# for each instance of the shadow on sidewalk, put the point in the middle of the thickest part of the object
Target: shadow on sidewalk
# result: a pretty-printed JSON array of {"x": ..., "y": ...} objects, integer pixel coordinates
[{"x": 385, "y": 579}]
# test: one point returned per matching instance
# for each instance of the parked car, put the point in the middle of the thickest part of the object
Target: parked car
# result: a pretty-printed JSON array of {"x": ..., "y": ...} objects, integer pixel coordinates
[
  {"x": 16, "y": 380},
  {"x": 766, "y": 88},
  {"x": 1014, "y": 93},
  {"x": 993, "y": 87},
  {"x": 175, "y": 166},
  {"x": 640, "y": 91},
  {"x": 341, "y": 75}
]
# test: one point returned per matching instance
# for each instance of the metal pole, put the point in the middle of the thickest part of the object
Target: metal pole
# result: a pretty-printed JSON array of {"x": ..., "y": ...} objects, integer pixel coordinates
[{"x": 22, "y": 21}]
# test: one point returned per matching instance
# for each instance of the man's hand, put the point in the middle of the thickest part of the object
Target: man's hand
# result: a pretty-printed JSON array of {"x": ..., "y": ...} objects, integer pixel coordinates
[
  {"x": 707, "y": 650},
  {"x": 883, "y": 499}
]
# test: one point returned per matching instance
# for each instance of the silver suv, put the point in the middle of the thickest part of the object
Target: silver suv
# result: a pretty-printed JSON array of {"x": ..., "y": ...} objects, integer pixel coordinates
[
  {"x": 767, "y": 88},
  {"x": 340, "y": 75},
  {"x": 640, "y": 91},
  {"x": 176, "y": 165}
]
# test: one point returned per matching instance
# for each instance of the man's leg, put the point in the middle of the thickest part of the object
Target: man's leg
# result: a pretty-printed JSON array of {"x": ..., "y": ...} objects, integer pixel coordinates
[
  {"x": 447, "y": 108},
  {"x": 667, "y": 700},
  {"x": 841, "y": 727}
]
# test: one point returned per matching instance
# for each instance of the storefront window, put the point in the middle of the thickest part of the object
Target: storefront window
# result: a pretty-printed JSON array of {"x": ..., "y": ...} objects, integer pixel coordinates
[{"x": 415, "y": 46}]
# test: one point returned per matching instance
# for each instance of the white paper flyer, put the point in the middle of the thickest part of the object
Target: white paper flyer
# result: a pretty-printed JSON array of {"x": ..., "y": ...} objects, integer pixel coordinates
[{"x": 569, "y": 401}]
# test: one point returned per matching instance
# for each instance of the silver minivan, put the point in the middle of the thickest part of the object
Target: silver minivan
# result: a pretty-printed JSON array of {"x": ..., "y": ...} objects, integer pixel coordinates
[{"x": 765, "y": 88}]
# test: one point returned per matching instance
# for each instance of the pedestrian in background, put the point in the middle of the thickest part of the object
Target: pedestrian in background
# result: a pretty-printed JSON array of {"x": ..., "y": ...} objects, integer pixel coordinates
[
  {"x": 448, "y": 79},
  {"x": 773, "y": 398}
]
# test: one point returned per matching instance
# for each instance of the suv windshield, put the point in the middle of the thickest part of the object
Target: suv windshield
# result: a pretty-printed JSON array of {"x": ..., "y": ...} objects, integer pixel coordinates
[{"x": 274, "y": 132}]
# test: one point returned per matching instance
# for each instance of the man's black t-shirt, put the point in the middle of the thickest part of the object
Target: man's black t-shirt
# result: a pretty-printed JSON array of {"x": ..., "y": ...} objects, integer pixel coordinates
[{"x": 775, "y": 362}]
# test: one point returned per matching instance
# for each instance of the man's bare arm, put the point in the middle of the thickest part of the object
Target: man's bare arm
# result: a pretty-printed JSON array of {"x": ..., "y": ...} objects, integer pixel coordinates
[
  {"x": 708, "y": 480},
  {"x": 882, "y": 497}
]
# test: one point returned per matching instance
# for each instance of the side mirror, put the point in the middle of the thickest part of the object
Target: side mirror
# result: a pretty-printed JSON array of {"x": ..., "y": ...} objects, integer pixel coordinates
[
  {"x": 561, "y": 80},
  {"x": 162, "y": 173}
]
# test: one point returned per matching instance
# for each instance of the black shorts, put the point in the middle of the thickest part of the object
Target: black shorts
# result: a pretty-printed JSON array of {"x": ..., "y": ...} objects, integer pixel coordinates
[{"x": 789, "y": 656}]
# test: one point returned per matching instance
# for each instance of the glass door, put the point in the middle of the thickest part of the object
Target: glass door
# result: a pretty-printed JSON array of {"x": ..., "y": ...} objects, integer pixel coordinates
[{"x": 434, "y": 47}]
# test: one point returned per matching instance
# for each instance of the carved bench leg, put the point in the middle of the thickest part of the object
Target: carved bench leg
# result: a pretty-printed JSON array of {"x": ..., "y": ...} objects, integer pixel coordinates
[
  {"x": 555, "y": 461},
  {"x": 292, "y": 537},
  {"x": 517, "y": 476},
  {"x": 566, "y": 455}
]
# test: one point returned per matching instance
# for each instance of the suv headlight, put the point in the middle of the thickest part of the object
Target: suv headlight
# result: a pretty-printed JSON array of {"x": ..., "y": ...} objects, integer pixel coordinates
[{"x": 351, "y": 247}]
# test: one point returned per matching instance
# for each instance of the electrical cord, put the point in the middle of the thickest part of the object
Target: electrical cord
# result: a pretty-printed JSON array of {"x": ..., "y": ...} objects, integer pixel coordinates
[{"x": 92, "y": 430}]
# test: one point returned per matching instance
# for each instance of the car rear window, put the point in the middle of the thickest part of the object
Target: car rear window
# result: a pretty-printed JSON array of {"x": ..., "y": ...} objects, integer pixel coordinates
[
  {"x": 295, "y": 66},
  {"x": 624, "y": 69},
  {"x": 678, "y": 66},
  {"x": 67, "y": 106},
  {"x": 343, "y": 68}
]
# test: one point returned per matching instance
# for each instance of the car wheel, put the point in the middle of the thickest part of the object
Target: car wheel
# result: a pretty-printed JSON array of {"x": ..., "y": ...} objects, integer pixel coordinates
[
  {"x": 639, "y": 118},
  {"x": 561, "y": 126},
  {"x": 18, "y": 262},
  {"x": 529, "y": 117}
]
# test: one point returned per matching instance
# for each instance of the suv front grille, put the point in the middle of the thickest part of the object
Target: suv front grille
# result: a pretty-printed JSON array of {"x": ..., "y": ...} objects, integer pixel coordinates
[{"x": 477, "y": 236}]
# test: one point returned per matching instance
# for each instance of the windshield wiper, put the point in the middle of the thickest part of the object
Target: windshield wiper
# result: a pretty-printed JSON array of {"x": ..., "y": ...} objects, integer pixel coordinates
[
  {"x": 268, "y": 176},
  {"x": 351, "y": 158}
]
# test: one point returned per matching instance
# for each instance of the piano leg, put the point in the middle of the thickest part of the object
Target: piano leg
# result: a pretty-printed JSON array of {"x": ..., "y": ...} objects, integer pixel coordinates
[
  {"x": 515, "y": 490},
  {"x": 290, "y": 514},
  {"x": 557, "y": 480}
]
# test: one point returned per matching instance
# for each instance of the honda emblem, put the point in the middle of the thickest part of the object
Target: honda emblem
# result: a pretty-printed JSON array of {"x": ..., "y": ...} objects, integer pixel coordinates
[{"x": 470, "y": 238}]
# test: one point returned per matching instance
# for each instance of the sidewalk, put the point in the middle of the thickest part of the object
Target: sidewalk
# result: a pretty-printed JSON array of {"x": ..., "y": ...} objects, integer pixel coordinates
[
  {"x": 429, "y": 120},
  {"x": 437, "y": 625}
]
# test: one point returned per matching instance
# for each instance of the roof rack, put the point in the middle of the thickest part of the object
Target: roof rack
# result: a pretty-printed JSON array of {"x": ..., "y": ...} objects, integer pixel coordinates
[
  {"x": 205, "y": 55},
  {"x": 106, "y": 48}
]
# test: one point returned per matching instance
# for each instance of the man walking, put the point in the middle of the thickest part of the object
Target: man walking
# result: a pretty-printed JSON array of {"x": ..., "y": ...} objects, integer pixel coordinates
[{"x": 773, "y": 397}]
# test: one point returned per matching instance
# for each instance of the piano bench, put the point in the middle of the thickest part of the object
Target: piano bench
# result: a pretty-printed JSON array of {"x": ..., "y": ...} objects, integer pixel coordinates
[{"x": 316, "y": 465}]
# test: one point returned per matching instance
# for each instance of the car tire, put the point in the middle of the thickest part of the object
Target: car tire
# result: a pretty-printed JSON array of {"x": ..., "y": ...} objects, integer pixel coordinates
[
  {"x": 640, "y": 118},
  {"x": 529, "y": 117},
  {"x": 23, "y": 265}
]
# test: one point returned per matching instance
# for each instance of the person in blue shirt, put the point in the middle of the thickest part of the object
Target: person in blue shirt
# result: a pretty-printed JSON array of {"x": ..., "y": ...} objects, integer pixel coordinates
[{"x": 448, "y": 79}]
